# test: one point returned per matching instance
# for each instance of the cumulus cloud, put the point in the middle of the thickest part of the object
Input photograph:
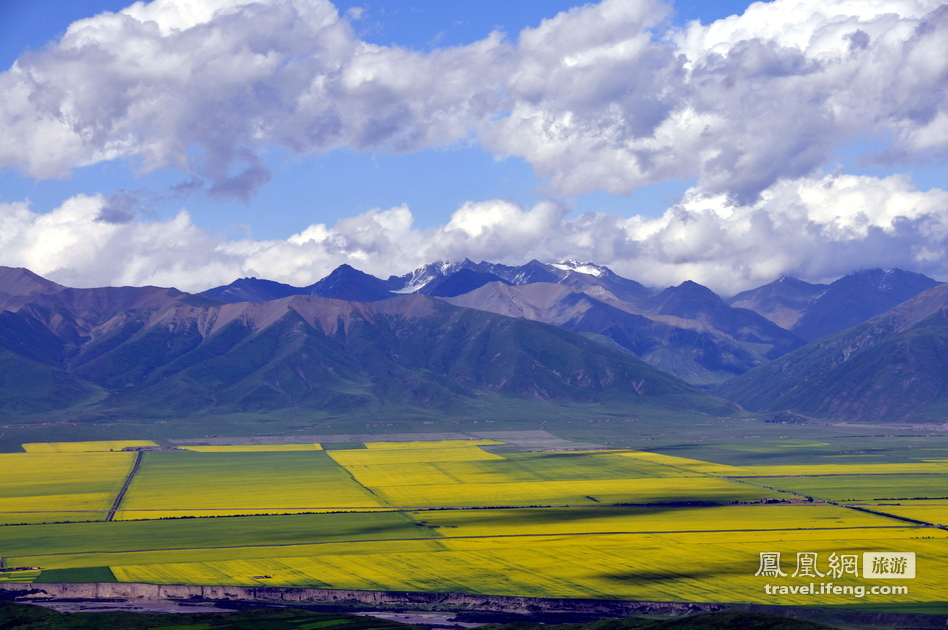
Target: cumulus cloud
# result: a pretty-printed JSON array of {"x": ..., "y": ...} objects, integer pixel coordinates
[
  {"x": 814, "y": 228},
  {"x": 208, "y": 86},
  {"x": 604, "y": 96}
]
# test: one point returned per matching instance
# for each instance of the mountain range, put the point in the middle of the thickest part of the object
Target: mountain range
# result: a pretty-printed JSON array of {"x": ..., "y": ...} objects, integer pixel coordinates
[
  {"x": 452, "y": 336},
  {"x": 893, "y": 367}
]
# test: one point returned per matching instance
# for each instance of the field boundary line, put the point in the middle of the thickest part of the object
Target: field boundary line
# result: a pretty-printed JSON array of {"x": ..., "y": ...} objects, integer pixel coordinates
[{"x": 128, "y": 481}]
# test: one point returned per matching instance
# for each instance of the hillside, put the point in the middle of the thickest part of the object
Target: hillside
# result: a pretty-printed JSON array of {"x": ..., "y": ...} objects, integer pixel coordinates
[
  {"x": 690, "y": 346},
  {"x": 152, "y": 352},
  {"x": 893, "y": 367},
  {"x": 811, "y": 311}
]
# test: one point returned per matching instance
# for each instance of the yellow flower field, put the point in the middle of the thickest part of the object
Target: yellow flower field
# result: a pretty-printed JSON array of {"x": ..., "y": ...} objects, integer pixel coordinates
[
  {"x": 187, "y": 483},
  {"x": 63, "y": 486},
  {"x": 599, "y": 519},
  {"x": 595, "y": 549},
  {"x": 693, "y": 465},
  {"x": 522, "y": 467},
  {"x": 935, "y": 513},
  {"x": 679, "y": 567}
]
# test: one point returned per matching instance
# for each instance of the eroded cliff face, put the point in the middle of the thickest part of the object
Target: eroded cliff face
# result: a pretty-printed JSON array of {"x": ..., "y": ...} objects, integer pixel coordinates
[{"x": 373, "y": 599}]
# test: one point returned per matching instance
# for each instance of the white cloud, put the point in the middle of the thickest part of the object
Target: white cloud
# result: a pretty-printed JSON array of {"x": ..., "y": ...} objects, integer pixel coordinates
[
  {"x": 814, "y": 228},
  {"x": 742, "y": 102},
  {"x": 208, "y": 86},
  {"x": 604, "y": 96}
]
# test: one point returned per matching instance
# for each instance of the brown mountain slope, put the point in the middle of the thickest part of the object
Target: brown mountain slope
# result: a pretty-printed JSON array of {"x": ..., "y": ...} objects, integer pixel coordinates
[{"x": 693, "y": 350}]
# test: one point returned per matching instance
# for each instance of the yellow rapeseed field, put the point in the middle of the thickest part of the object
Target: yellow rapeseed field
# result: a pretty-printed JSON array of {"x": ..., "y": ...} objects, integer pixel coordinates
[
  {"x": 19, "y": 576},
  {"x": 66, "y": 486},
  {"x": 594, "y": 550},
  {"x": 83, "y": 447},
  {"x": 604, "y": 519},
  {"x": 929, "y": 512},
  {"x": 663, "y": 567},
  {"x": 693, "y": 465},
  {"x": 187, "y": 483},
  {"x": 521, "y": 467}
]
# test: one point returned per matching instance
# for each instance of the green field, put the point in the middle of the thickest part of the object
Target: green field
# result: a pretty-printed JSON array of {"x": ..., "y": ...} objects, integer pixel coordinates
[
  {"x": 436, "y": 516},
  {"x": 874, "y": 487}
]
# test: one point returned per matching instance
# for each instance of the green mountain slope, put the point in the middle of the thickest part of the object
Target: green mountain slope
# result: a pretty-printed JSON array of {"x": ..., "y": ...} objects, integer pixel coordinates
[
  {"x": 316, "y": 353},
  {"x": 892, "y": 368}
]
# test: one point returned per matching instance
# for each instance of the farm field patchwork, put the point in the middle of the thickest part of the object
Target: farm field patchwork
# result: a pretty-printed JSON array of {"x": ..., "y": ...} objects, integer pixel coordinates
[
  {"x": 382, "y": 456},
  {"x": 654, "y": 567},
  {"x": 65, "y": 486},
  {"x": 183, "y": 537},
  {"x": 681, "y": 547},
  {"x": 935, "y": 512},
  {"x": 538, "y": 521},
  {"x": 512, "y": 468},
  {"x": 682, "y": 463},
  {"x": 579, "y": 492}
]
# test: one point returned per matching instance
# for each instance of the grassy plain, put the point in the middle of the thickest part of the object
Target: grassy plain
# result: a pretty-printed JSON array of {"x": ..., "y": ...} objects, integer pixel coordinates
[
  {"x": 252, "y": 448},
  {"x": 859, "y": 487},
  {"x": 84, "y": 447},
  {"x": 439, "y": 444},
  {"x": 61, "y": 540},
  {"x": 65, "y": 486},
  {"x": 376, "y": 457},
  {"x": 844, "y": 469}
]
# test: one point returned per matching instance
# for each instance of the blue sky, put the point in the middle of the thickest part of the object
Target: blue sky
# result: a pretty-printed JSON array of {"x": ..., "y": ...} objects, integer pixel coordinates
[
  {"x": 582, "y": 139},
  {"x": 343, "y": 182}
]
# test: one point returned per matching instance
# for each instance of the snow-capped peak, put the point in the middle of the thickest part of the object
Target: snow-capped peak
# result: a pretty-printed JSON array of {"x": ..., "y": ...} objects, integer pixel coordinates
[{"x": 580, "y": 267}]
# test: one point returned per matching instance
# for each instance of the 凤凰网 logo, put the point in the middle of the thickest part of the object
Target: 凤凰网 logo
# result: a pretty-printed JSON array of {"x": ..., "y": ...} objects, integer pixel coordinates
[{"x": 875, "y": 565}]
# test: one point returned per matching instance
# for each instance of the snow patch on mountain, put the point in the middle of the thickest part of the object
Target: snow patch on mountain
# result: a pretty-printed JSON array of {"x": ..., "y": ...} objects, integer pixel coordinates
[{"x": 580, "y": 267}]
